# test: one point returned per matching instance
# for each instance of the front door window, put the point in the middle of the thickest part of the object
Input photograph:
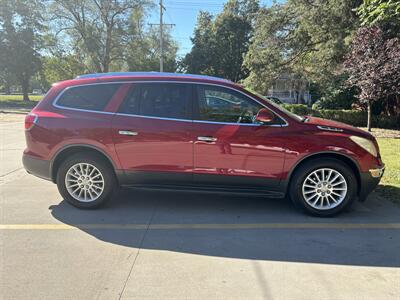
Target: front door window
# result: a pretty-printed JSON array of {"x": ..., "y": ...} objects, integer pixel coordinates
[{"x": 217, "y": 104}]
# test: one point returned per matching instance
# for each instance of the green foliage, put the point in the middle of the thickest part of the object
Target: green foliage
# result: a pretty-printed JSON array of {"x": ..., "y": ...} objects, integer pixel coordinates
[
  {"x": 142, "y": 52},
  {"x": 82, "y": 36},
  {"x": 96, "y": 29},
  {"x": 298, "y": 109},
  {"x": 336, "y": 94},
  {"x": 21, "y": 25},
  {"x": 220, "y": 43},
  {"x": 199, "y": 60},
  {"x": 351, "y": 117},
  {"x": 336, "y": 98},
  {"x": 378, "y": 12},
  {"x": 305, "y": 38},
  {"x": 63, "y": 67}
]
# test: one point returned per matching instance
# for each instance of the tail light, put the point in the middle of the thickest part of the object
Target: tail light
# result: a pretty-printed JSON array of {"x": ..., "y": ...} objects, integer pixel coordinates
[{"x": 30, "y": 120}]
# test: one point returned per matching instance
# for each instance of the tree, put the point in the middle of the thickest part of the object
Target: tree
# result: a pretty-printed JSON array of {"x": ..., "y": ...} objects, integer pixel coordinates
[
  {"x": 373, "y": 64},
  {"x": 21, "y": 29},
  {"x": 219, "y": 44},
  {"x": 386, "y": 15},
  {"x": 380, "y": 12},
  {"x": 6, "y": 79},
  {"x": 233, "y": 30},
  {"x": 307, "y": 39},
  {"x": 143, "y": 46},
  {"x": 61, "y": 67},
  {"x": 96, "y": 28},
  {"x": 201, "y": 60}
]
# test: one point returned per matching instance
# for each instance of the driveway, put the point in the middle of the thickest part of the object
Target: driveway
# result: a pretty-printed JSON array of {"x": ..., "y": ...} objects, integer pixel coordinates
[{"x": 158, "y": 245}]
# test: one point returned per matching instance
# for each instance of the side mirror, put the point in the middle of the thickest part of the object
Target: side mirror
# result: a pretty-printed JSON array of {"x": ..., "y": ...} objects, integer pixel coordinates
[{"x": 264, "y": 116}]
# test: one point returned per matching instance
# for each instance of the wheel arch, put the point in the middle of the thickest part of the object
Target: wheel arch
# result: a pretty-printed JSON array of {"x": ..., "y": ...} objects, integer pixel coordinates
[
  {"x": 66, "y": 151},
  {"x": 347, "y": 160}
]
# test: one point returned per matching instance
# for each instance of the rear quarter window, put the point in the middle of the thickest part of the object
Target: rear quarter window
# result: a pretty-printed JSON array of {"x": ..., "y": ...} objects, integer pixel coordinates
[{"x": 89, "y": 97}]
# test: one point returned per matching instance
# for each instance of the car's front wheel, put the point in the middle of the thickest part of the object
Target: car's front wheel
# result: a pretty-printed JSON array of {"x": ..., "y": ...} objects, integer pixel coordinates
[
  {"x": 323, "y": 187},
  {"x": 85, "y": 181}
]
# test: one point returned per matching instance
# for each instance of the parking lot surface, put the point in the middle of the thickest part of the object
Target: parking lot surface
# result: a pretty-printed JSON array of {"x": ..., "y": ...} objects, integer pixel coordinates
[{"x": 165, "y": 245}]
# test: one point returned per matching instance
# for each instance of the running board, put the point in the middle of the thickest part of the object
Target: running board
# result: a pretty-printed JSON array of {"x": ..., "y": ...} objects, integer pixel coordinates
[{"x": 210, "y": 189}]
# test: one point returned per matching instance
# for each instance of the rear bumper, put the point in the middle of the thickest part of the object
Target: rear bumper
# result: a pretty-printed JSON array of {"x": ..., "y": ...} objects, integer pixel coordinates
[
  {"x": 37, "y": 167},
  {"x": 369, "y": 181}
]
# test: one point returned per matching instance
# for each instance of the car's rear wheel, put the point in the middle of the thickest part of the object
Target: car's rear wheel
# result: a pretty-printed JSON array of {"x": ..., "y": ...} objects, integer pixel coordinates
[
  {"x": 323, "y": 187},
  {"x": 85, "y": 181}
]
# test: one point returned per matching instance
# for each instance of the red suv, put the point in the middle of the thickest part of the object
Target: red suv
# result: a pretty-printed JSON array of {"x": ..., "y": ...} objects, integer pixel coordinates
[{"x": 179, "y": 131}]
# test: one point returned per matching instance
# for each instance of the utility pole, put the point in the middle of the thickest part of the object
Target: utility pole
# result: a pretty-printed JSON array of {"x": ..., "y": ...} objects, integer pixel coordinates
[
  {"x": 161, "y": 38},
  {"x": 162, "y": 24}
]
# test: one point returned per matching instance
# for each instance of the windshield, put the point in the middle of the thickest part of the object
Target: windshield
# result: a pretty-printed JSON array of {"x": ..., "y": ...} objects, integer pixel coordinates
[{"x": 281, "y": 108}]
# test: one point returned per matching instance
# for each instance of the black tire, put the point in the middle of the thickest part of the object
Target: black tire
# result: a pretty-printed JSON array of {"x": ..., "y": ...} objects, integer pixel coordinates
[
  {"x": 300, "y": 175},
  {"x": 105, "y": 169}
]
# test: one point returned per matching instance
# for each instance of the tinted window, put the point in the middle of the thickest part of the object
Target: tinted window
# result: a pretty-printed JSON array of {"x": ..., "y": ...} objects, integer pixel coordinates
[
  {"x": 167, "y": 100},
  {"x": 90, "y": 97},
  {"x": 219, "y": 104}
]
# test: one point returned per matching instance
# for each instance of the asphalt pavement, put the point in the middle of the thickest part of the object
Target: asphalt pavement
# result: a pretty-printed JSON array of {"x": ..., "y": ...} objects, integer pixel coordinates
[{"x": 169, "y": 245}]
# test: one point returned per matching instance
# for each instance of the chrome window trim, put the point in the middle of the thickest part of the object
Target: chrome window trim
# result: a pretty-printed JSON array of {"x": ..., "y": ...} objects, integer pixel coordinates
[
  {"x": 81, "y": 109},
  {"x": 231, "y": 123},
  {"x": 54, "y": 103},
  {"x": 152, "y": 117}
]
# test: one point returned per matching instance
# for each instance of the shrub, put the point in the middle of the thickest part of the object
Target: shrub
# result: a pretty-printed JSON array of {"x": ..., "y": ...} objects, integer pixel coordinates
[
  {"x": 352, "y": 117},
  {"x": 298, "y": 109},
  {"x": 336, "y": 99},
  {"x": 332, "y": 103}
]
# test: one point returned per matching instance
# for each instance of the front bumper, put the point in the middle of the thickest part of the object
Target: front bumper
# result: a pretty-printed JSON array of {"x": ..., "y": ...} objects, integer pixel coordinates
[
  {"x": 37, "y": 167},
  {"x": 369, "y": 181}
]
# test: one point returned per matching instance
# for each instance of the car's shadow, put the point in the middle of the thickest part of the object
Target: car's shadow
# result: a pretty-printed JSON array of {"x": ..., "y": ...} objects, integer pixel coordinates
[{"x": 226, "y": 236}]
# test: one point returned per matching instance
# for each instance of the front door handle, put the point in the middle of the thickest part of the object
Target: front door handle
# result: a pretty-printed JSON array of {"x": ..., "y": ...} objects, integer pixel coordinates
[
  {"x": 128, "y": 132},
  {"x": 206, "y": 139}
]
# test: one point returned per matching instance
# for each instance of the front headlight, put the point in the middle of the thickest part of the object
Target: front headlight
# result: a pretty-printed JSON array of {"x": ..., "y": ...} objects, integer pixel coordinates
[{"x": 365, "y": 144}]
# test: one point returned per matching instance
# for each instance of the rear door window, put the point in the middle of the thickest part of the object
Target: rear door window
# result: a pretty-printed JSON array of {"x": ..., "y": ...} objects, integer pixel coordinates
[
  {"x": 166, "y": 100},
  {"x": 89, "y": 97}
]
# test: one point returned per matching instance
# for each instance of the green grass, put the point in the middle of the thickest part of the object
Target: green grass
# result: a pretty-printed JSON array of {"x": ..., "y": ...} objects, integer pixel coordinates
[
  {"x": 390, "y": 183},
  {"x": 16, "y": 102},
  {"x": 19, "y": 97}
]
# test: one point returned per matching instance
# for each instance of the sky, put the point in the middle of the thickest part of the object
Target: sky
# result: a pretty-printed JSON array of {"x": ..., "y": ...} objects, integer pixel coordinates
[{"x": 183, "y": 13}]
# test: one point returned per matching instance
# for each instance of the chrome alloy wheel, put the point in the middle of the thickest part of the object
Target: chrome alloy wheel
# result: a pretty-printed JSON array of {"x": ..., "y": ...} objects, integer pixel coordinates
[
  {"x": 324, "y": 189},
  {"x": 84, "y": 182}
]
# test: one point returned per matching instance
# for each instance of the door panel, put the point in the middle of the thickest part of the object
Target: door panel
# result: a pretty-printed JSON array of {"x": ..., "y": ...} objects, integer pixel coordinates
[
  {"x": 255, "y": 152},
  {"x": 228, "y": 142},
  {"x": 159, "y": 142}
]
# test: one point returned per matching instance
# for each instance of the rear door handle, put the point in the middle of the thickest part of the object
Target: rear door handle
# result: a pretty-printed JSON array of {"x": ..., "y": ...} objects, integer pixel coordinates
[
  {"x": 206, "y": 139},
  {"x": 127, "y": 132}
]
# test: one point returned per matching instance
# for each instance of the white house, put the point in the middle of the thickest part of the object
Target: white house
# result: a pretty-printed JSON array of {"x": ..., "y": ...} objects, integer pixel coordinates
[{"x": 291, "y": 89}]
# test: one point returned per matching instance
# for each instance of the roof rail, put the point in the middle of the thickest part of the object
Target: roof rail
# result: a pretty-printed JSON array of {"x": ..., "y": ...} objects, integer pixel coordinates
[{"x": 149, "y": 74}]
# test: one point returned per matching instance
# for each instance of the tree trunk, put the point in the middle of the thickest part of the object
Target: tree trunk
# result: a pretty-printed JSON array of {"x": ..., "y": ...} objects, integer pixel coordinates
[
  {"x": 369, "y": 116},
  {"x": 25, "y": 88},
  {"x": 106, "y": 59},
  {"x": 7, "y": 89}
]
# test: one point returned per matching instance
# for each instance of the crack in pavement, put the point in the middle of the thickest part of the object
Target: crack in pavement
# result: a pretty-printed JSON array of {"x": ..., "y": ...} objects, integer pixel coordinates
[
  {"x": 139, "y": 248},
  {"x": 4, "y": 175},
  {"x": 10, "y": 176}
]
